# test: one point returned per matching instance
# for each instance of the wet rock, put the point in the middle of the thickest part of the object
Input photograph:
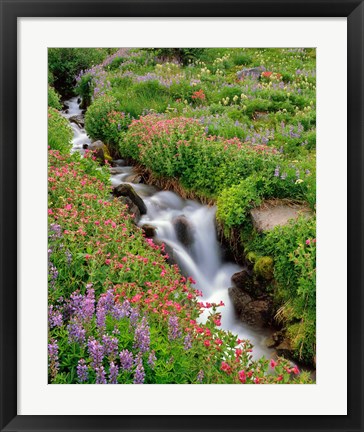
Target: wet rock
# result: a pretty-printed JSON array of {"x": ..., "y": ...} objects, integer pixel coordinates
[
  {"x": 277, "y": 212},
  {"x": 250, "y": 72},
  {"x": 128, "y": 191},
  {"x": 96, "y": 145},
  {"x": 149, "y": 230},
  {"x": 246, "y": 282},
  {"x": 116, "y": 170},
  {"x": 118, "y": 163},
  {"x": 133, "y": 178},
  {"x": 285, "y": 349},
  {"x": 85, "y": 146},
  {"x": 65, "y": 107},
  {"x": 168, "y": 251},
  {"x": 78, "y": 119},
  {"x": 274, "y": 340},
  {"x": 257, "y": 313},
  {"x": 79, "y": 101},
  {"x": 132, "y": 208},
  {"x": 183, "y": 229}
]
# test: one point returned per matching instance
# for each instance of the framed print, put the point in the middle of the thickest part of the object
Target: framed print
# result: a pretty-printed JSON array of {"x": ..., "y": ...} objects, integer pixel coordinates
[{"x": 168, "y": 235}]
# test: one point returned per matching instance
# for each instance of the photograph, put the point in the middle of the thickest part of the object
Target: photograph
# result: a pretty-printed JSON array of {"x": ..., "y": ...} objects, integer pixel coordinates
[{"x": 181, "y": 215}]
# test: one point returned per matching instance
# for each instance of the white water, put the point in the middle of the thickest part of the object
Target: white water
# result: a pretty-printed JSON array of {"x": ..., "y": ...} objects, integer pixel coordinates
[{"x": 202, "y": 258}]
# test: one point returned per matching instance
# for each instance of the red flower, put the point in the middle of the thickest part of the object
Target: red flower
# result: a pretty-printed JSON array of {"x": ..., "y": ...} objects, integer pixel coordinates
[
  {"x": 242, "y": 376},
  {"x": 225, "y": 367}
]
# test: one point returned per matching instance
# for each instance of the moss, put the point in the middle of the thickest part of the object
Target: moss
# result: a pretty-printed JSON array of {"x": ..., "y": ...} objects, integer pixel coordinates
[{"x": 264, "y": 267}]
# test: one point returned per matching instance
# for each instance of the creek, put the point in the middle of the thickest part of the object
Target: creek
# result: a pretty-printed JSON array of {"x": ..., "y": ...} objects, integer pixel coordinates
[{"x": 187, "y": 227}]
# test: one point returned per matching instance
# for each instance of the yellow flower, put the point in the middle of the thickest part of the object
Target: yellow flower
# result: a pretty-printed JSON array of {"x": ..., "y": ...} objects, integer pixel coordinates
[{"x": 298, "y": 181}]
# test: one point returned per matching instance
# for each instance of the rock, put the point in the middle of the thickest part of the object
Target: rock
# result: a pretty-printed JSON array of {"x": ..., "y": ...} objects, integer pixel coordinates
[
  {"x": 78, "y": 119},
  {"x": 257, "y": 313},
  {"x": 272, "y": 213},
  {"x": 65, "y": 107},
  {"x": 250, "y": 72},
  {"x": 66, "y": 111},
  {"x": 116, "y": 170},
  {"x": 132, "y": 207},
  {"x": 183, "y": 229},
  {"x": 100, "y": 156},
  {"x": 79, "y": 101},
  {"x": 246, "y": 282},
  {"x": 133, "y": 178},
  {"x": 127, "y": 191},
  {"x": 285, "y": 349},
  {"x": 270, "y": 342},
  {"x": 149, "y": 230},
  {"x": 168, "y": 250},
  {"x": 99, "y": 145},
  {"x": 118, "y": 163},
  {"x": 85, "y": 146}
]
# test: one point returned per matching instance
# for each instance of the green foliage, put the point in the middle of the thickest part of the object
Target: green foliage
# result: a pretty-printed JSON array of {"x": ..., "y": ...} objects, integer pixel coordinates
[
  {"x": 54, "y": 99},
  {"x": 104, "y": 120},
  {"x": 65, "y": 63},
  {"x": 184, "y": 55},
  {"x": 110, "y": 287},
  {"x": 83, "y": 89},
  {"x": 59, "y": 132},
  {"x": 263, "y": 267},
  {"x": 294, "y": 250}
]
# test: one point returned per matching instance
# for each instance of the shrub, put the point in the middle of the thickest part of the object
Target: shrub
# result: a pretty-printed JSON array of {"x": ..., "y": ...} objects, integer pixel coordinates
[
  {"x": 54, "y": 99},
  {"x": 104, "y": 120},
  {"x": 59, "y": 132}
]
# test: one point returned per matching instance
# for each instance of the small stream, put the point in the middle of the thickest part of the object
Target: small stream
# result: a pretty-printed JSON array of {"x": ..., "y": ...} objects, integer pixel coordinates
[{"x": 201, "y": 256}]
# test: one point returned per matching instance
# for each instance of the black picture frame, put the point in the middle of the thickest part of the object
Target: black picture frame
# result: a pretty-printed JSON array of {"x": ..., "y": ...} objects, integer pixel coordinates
[{"x": 10, "y": 10}]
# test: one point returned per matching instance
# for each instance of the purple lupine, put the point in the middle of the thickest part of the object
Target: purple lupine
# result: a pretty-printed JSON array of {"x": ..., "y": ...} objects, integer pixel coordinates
[
  {"x": 139, "y": 373},
  {"x": 113, "y": 374},
  {"x": 121, "y": 310},
  {"x": 68, "y": 256},
  {"x": 151, "y": 359},
  {"x": 53, "y": 363},
  {"x": 174, "y": 331},
  {"x": 100, "y": 375},
  {"x": 200, "y": 376},
  {"x": 134, "y": 316},
  {"x": 82, "y": 372},
  {"x": 101, "y": 315},
  {"x": 276, "y": 172},
  {"x": 126, "y": 360},
  {"x": 142, "y": 336},
  {"x": 76, "y": 303},
  {"x": 55, "y": 318},
  {"x": 187, "y": 344},
  {"x": 110, "y": 346},
  {"x": 55, "y": 231},
  {"x": 76, "y": 333},
  {"x": 96, "y": 351},
  {"x": 88, "y": 304},
  {"x": 53, "y": 273}
]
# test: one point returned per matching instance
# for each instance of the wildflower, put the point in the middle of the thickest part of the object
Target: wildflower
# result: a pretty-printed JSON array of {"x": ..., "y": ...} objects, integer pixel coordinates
[
  {"x": 96, "y": 351},
  {"x": 110, "y": 346},
  {"x": 242, "y": 376},
  {"x": 273, "y": 364},
  {"x": 142, "y": 336},
  {"x": 53, "y": 363},
  {"x": 173, "y": 328},
  {"x": 113, "y": 373},
  {"x": 187, "y": 342},
  {"x": 139, "y": 373},
  {"x": 225, "y": 367},
  {"x": 295, "y": 370},
  {"x": 55, "y": 318},
  {"x": 82, "y": 372},
  {"x": 151, "y": 359},
  {"x": 100, "y": 375},
  {"x": 200, "y": 376},
  {"x": 308, "y": 242},
  {"x": 298, "y": 181},
  {"x": 126, "y": 359},
  {"x": 76, "y": 333},
  {"x": 276, "y": 172}
]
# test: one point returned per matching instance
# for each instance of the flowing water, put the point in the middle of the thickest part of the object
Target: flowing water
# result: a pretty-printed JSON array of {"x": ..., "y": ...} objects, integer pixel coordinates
[{"x": 201, "y": 256}]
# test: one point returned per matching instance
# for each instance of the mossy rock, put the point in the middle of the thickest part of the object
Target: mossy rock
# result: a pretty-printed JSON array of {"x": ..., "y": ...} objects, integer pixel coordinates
[{"x": 264, "y": 267}]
